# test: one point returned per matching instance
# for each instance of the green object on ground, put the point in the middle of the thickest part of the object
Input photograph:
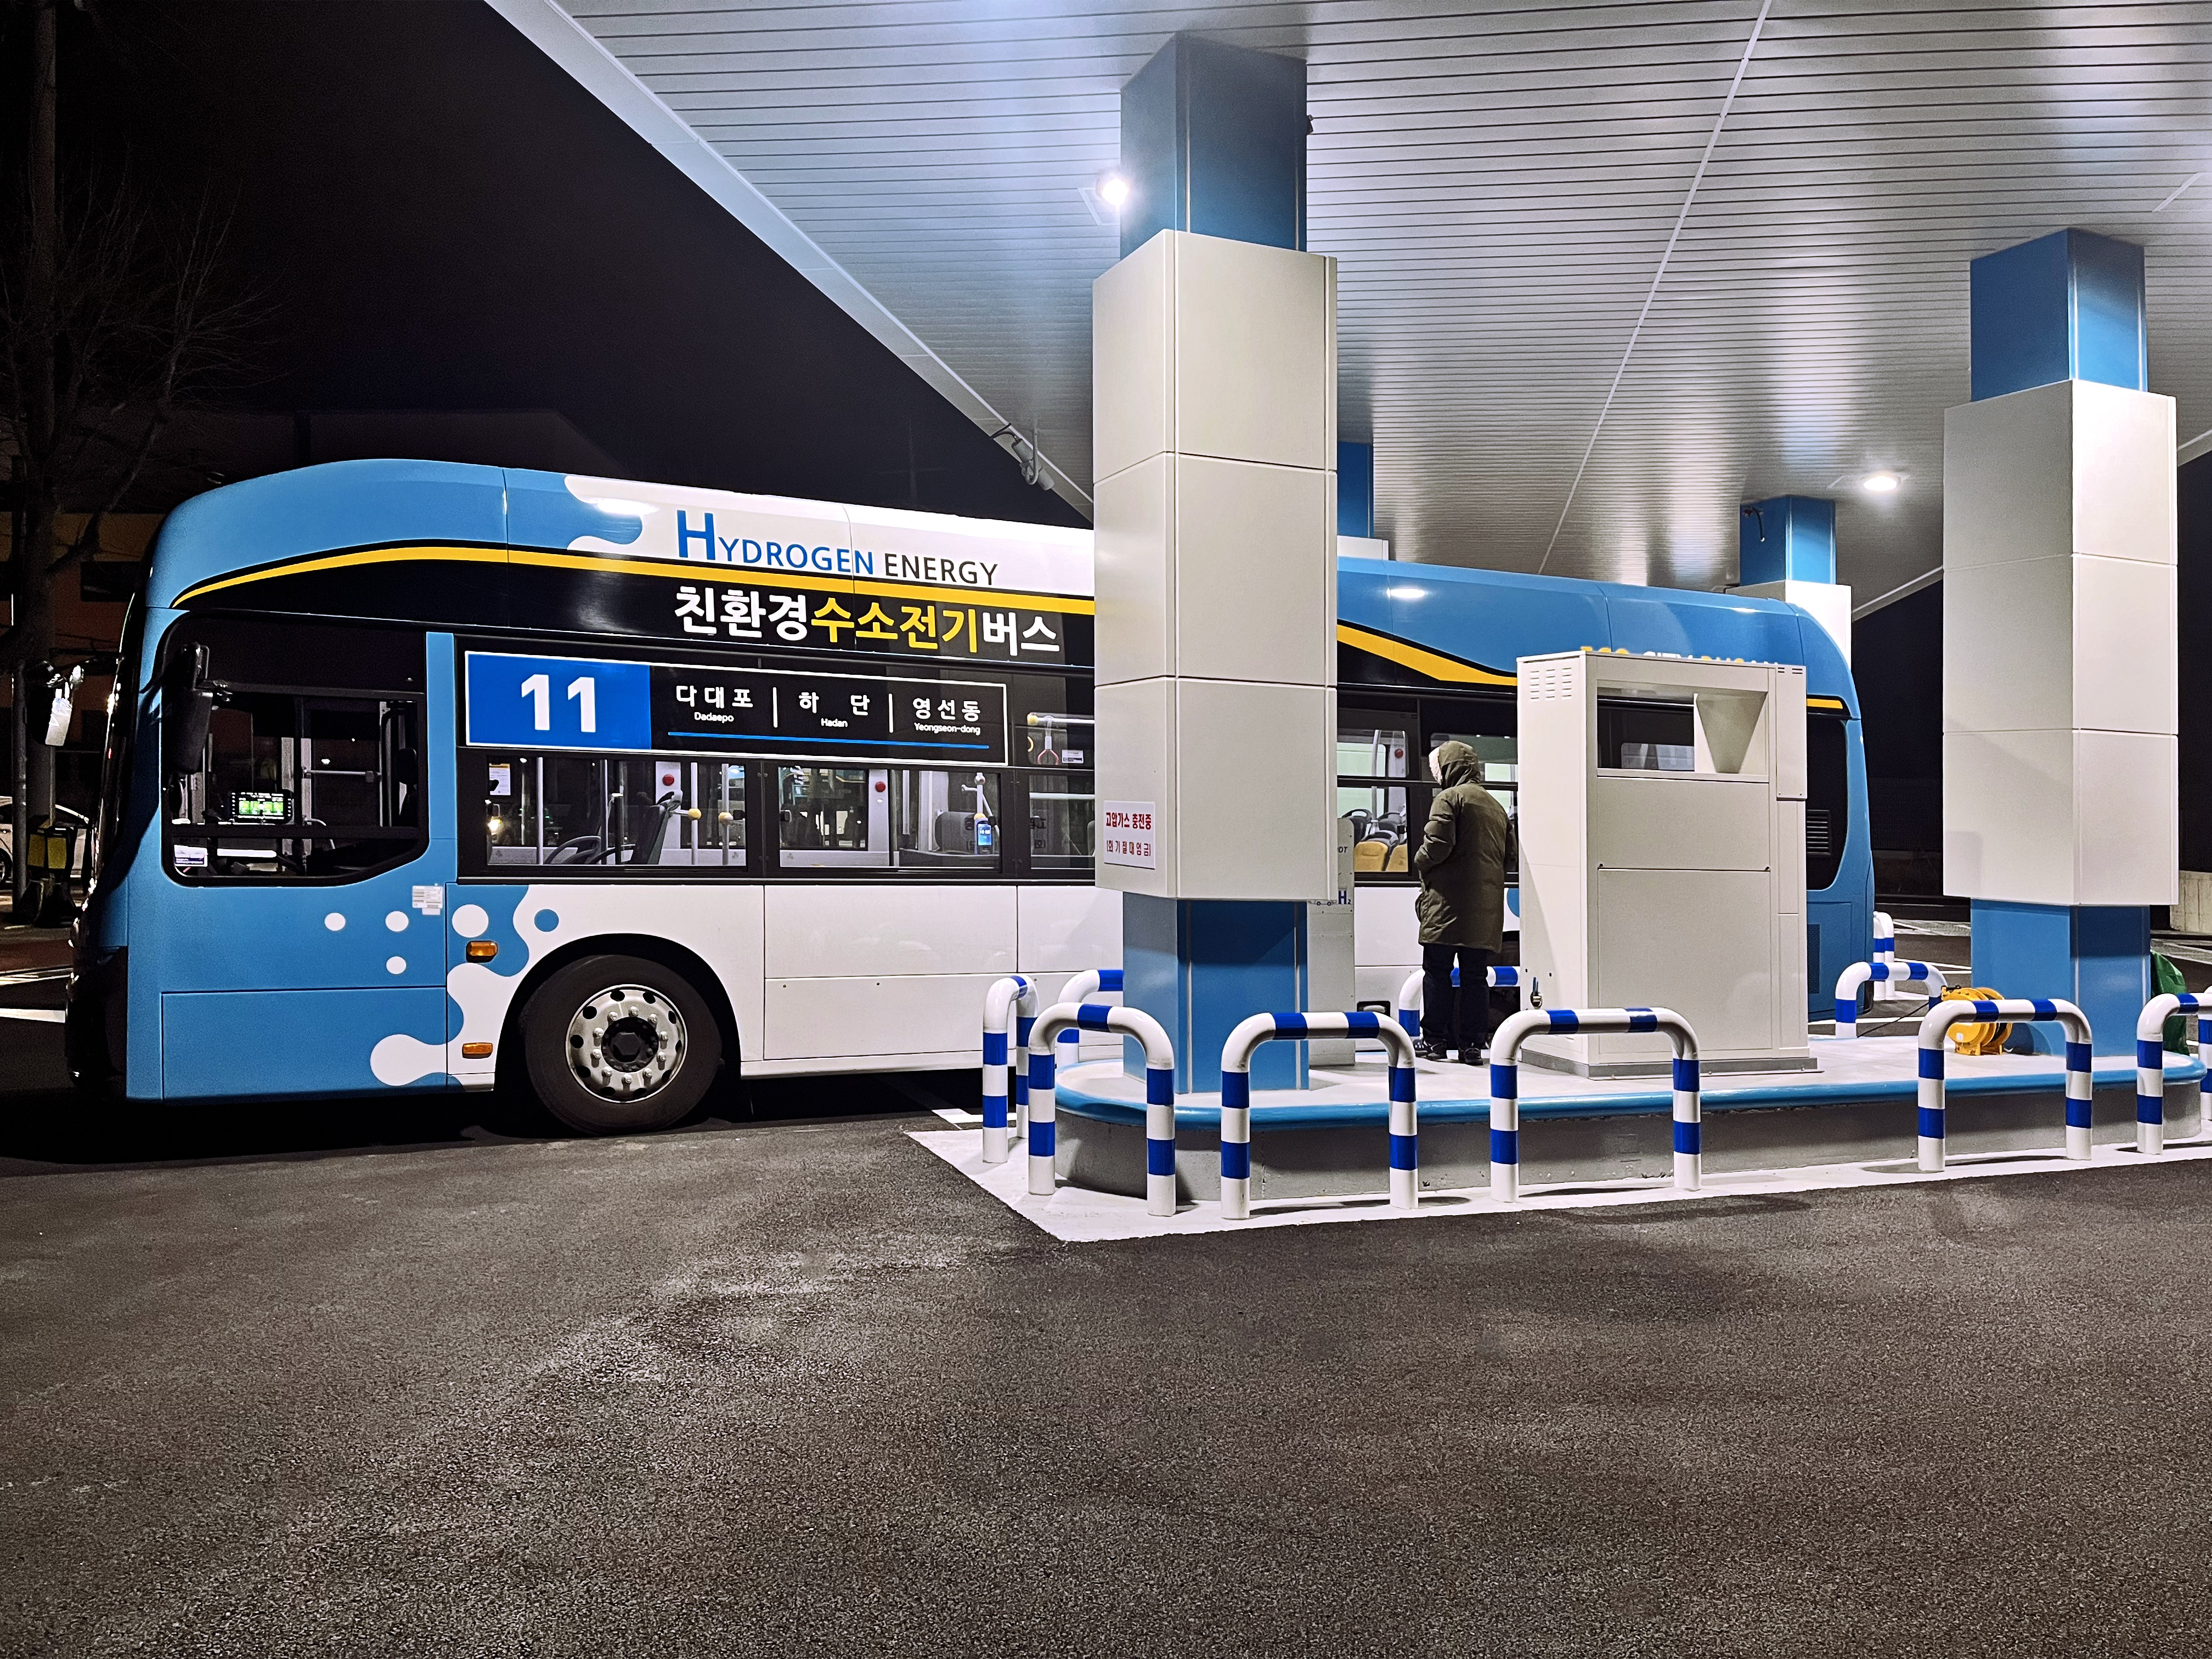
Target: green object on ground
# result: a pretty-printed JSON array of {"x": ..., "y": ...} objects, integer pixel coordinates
[{"x": 2166, "y": 978}]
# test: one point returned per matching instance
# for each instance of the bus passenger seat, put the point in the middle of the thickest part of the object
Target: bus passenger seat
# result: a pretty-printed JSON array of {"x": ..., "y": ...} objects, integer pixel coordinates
[{"x": 646, "y": 848}]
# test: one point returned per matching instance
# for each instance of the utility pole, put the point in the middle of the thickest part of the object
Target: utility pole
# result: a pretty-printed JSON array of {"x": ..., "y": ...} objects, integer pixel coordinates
[
  {"x": 34, "y": 550},
  {"x": 19, "y": 715},
  {"x": 32, "y": 509}
]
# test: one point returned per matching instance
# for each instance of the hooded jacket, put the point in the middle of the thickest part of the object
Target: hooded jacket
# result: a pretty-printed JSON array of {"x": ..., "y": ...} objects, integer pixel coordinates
[{"x": 1461, "y": 858}]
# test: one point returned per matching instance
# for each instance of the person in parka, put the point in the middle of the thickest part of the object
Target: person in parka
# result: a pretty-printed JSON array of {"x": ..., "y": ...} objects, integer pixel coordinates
[{"x": 1461, "y": 863}]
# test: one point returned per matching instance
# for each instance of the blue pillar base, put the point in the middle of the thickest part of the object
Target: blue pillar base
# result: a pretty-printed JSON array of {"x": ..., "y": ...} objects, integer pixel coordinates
[
  {"x": 2096, "y": 956},
  {"x": 1200, "y": 967}
]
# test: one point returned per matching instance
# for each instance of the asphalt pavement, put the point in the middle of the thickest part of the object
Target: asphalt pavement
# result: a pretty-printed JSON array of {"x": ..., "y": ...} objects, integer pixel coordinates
[{"x": 358, "y": 1382}]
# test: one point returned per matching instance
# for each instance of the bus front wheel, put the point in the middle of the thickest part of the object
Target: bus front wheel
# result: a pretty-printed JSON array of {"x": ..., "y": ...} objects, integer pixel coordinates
[{"x": 618, "y": 1045}]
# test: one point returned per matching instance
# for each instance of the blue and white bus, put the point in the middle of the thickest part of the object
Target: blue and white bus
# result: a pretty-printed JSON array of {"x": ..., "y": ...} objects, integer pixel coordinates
[
  {"x": 434, "y": 776},
  {"x": 1427, "y": 651}
]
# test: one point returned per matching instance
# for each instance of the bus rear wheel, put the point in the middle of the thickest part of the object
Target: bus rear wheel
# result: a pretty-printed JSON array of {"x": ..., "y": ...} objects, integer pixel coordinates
[{"x": 619, "y": 1045}]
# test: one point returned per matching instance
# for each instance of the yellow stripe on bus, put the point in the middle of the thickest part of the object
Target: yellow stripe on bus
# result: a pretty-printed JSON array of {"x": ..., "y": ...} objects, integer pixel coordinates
[
  {"x": 672, "y": 571},
  {"x": 341, "y": 561},
  {"x": 1432, "y": 665}
]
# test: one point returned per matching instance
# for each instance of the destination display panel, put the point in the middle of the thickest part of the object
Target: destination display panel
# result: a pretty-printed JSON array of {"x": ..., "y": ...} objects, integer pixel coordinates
[{"x": 516, "y": 701}]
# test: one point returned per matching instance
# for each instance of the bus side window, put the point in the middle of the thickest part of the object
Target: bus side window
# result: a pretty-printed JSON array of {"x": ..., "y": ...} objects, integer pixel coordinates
[
  {"x": 605, "y": 814},
  {"x": 1828, "y": 804},
  {"x": 608, "y": 816},
  {"x": 897, "y": 818},
  {"x": 1063, "y": 822},
  {"x": 1374, "y": 789},
  {"x": 274, "y": 782}
]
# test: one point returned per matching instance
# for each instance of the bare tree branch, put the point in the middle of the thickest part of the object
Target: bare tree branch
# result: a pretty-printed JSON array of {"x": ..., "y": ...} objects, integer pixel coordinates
[{"x": 139, "y": 321}]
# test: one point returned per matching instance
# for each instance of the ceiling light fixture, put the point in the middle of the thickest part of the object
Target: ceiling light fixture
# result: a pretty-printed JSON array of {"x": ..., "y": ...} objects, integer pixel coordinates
[
  {"x": 1113, "y": 188},
  {"x": 1881, "y": 483}
]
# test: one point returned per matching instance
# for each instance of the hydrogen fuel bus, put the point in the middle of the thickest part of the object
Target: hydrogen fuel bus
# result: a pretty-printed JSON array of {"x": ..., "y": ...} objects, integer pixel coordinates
[{"x": 424, "y": 776}]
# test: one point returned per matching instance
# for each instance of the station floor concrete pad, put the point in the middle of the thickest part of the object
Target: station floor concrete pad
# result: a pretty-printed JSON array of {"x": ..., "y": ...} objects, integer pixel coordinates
[
  {"x": 1079, "y": 1215},
  {"x": 805, "y": 1390}
]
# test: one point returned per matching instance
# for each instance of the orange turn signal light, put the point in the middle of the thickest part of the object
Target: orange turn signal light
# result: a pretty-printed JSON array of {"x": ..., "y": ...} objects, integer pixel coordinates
[
  {"x": 476, "y": 1051},
  {"x": 482, "y": 949}
]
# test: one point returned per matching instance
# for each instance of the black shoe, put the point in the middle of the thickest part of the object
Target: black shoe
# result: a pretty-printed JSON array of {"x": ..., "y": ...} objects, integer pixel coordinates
[
  {"x": 1430, "y": 1051},
  {"x": 1470, "y": 1056}
]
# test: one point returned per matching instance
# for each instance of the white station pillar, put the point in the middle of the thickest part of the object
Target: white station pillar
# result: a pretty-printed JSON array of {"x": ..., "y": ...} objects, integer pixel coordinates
[
  {"x": 2061, "y": 805},
  {"x": 1214, "y": 407}
]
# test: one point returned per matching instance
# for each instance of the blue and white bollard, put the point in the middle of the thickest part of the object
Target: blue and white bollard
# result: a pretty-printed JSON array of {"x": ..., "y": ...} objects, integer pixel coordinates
[
  {"x": 1405, "y": 1126},
  {"x": 2150, "y": 1064},
  {"x": 1408, "y": 1011},
  {"x": 1505, "y": 1086},
  {"x": 1236, "y": 1144},
  {"x": 2081, "y": 1079},
  {"x": 1689, "y": 1123},
  {"x": 1024, "y": 1023},
  {"x": 1930, "y": 1089},
  {"x": 1237, "y": 1099},
  {"x": 1090, "y": 983},
  {"x": 1885, "y": 975},
  {"x": 1006, "y": 1000},
  {"x": 1044, "y": 1129},
  {"x": 1159, "y": 1095},
  {"x": 1506, "y": 1115}
]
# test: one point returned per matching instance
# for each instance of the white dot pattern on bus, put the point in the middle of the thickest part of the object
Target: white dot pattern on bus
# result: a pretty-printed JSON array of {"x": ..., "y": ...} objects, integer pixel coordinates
[
  {"x": 395, "y": 920},
  {"x": 335, "y": 923},
  {"x": 395, "y": 964},
  {"x": 470, "y": 921}
]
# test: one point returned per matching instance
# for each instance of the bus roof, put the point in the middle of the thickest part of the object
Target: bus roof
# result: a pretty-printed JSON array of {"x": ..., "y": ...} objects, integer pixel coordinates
[
  {"x": 1487, "y": 619},
  {"x": 347, "y": 505}
]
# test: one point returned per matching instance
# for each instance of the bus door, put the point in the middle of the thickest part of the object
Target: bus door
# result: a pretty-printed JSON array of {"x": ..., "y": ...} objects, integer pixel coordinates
[{"x": 298, "y": 919}]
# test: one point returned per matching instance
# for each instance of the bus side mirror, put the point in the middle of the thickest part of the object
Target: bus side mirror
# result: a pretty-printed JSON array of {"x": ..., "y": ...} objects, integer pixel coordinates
[{"x": 188, "y": 704}]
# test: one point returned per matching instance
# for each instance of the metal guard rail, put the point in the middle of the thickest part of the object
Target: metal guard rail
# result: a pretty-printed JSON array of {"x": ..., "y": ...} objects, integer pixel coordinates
[
  {"x": 1091, "y": 982},
  {"x": 1237, "y": 1099},
  {"x": 1505, "y": 1085},
  {"x": 2150, "y": 1066},
  {"x": 2080, "y": 1080},
  {"x": 1159, "y": 1095},
  {"x": 1882, "y": 971}
]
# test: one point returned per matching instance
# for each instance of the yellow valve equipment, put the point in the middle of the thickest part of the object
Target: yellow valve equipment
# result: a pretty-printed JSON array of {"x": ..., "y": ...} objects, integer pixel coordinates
[{"x": 1977, "y": 1038}]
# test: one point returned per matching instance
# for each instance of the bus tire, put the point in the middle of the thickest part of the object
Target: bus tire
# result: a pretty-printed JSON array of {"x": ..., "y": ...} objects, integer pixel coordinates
[{"x": 619, "y": 1045}]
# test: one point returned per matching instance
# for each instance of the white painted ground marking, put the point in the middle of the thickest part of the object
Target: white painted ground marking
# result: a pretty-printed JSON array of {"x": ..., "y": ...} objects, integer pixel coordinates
[
  {"x": 1076, "y": 1215},
  {"x": 48, "y": 1016}
]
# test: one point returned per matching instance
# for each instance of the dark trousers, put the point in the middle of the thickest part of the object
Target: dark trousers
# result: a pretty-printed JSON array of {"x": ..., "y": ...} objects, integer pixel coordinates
[{"x": 1456, "y": 1018}]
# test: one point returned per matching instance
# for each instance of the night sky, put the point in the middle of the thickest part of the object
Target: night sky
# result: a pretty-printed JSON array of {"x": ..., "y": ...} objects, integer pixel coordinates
[{"x": 441, "y": 219}]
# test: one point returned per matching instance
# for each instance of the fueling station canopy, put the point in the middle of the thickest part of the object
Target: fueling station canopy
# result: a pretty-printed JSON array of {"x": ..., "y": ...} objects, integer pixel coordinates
[{"x": 1606, "y": 271}]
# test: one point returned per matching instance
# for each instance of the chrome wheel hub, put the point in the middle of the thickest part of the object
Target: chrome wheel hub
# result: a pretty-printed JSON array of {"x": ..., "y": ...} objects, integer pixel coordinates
[{"x": 625, "y": 1043}]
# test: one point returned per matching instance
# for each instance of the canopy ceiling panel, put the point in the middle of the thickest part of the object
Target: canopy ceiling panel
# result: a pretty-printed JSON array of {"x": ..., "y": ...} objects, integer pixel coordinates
[{"x": 1606, "y": 270}]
